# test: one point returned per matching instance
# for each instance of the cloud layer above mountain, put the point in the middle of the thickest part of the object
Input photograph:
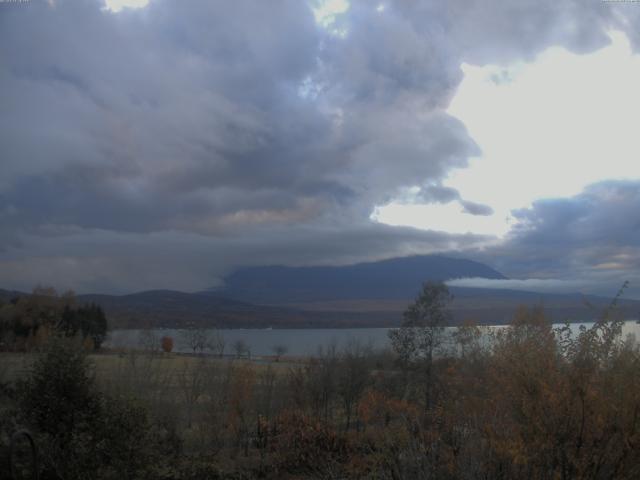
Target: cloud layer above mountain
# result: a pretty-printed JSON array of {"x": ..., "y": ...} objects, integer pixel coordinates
[
  {"x": 163, "y": 146},
  {"x": 591, "y": 239}
]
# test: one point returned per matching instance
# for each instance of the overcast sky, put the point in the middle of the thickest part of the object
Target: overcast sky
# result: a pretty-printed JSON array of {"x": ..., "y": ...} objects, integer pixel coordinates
[{"x": 161, "y": 144}]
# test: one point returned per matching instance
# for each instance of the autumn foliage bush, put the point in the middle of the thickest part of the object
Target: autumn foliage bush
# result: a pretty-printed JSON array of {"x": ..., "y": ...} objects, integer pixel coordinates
[
  {"x": 167, "y": 344},
  {"x": 304, "y": 445}
]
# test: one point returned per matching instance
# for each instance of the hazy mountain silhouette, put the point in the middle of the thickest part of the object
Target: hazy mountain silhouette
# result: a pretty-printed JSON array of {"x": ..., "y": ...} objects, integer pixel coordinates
[
  {"x": 364, "y": 295},
  {"x": 397, "y": 278}
]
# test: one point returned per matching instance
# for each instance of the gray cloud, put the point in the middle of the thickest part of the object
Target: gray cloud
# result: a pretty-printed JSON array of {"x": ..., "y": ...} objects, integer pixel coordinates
[
  {"x": 188, "y": 137},
  {"x": 508, "y": 31},
  {"x": 437, "y": 194},
  {"x": 593, "y": 237},
  {"x": 473, "y": 208},
  {"x": 98, "y": 260},
  {"x": 441, "y": 194},
  {"x": 175, "y": 117}
]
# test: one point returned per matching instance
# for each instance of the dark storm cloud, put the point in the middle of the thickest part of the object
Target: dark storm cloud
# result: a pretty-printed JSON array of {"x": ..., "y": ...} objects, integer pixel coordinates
[
  {"x": 442, "y": 194},
  {"x": 593, "y": 237},
  {"x": 483, "y": 32},
  {"x": 473, "y": 208},
  {"x": 605, "y": 213},
  {"x": 438, "y": 194},
  {"x": 187, "y": 104},
  {"x": 185, "y": 130},
  {"x": 98, "y": 260}
]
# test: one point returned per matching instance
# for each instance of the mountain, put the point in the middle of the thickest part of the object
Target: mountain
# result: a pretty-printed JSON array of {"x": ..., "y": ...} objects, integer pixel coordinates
[
  {"x": 6, "y": 295},
  {"x": 168, "y": 308},
  {"x": 364, "y": 295},
  {"x": 497, "y": 306},
  {"x": 172, "y": 309},
  {"x": 397, "y": 278}
]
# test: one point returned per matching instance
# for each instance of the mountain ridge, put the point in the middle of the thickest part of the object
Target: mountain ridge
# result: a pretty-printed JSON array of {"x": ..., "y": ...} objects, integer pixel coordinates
[
  {"x": 372, "y": 294},
  {"x": 175, "y": 309},
  {"x": 395, "y": 278}
]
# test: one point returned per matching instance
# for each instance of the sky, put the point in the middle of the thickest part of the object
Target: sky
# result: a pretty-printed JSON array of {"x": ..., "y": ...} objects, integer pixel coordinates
[{"x": 162, "y": 144}]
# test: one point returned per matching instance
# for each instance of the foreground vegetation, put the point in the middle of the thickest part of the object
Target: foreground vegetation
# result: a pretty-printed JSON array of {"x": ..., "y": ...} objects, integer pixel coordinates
[{"x": 527, "y": 401}]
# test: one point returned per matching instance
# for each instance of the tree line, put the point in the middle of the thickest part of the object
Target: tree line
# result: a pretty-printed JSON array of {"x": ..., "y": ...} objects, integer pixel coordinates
[{"x": 28, "y": 321}]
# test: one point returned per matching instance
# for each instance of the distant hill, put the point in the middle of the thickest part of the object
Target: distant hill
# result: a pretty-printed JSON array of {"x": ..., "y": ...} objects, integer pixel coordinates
[
  {"x": 483, "y": 306},
  {"x": 173, "y": 309},
  {"x": 497, "y": 306},
  {"x": 6, "y": 295},
  {"x": 397, "y": 278},
  {"x": 365, "y": 295},
  {"x": 166, "y": 308}
]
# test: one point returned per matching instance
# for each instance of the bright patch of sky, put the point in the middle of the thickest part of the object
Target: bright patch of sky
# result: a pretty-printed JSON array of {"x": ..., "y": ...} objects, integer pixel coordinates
[
  {"x": 447, "y": 218},
  {"x": 326, "y": 13},
  {"x": 529, "y": 284},
  {"x": 546, "y": 129},
  {"x": 117, "y": 5}
]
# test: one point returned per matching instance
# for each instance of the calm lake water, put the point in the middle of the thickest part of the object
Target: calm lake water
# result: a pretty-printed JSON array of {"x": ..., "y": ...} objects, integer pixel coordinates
[{"x": 299, "y": 342}]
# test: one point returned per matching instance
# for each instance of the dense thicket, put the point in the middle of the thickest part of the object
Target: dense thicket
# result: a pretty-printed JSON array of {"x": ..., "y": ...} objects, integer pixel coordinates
[
  {"x": 523, "y": 402},
  {"x": 27, "y": 322},
  {"x": 80, "y": 431}
]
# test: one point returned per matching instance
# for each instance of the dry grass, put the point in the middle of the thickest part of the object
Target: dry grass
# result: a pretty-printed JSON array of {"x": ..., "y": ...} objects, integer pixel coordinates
[{"x": 141, "y": 368}]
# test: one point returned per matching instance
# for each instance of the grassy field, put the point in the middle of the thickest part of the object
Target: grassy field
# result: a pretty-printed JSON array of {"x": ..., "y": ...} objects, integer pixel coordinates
[
  {"x": 111, "y": 364},
  {"x": 192, "y": 391}
]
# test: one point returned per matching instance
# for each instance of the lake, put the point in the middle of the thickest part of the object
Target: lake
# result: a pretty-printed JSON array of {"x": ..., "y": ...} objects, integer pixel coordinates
[{"x": 299, "y": 342}]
